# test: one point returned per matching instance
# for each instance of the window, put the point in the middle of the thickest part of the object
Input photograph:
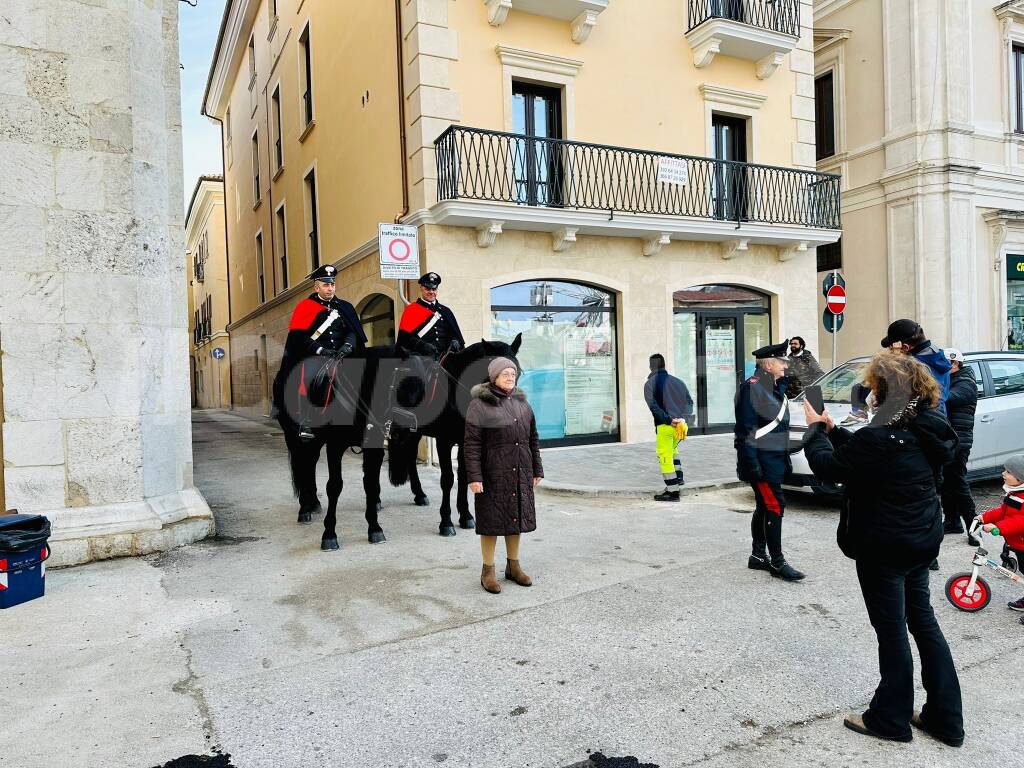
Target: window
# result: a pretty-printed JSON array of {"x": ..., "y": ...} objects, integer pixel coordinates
[
  {"x": 275, "y": 103},
  {"x": 252, "y": 61},
  {"x": 312, "y": 222},
  {"x": 1007, "y": 376},
  {"x": 227, "y": 137},
  {"x": 256, "y": 167},
  {"x": 306, "y": 75},
  {"x": 260, "y": 280},
  {"x": 377, "y": 317},
  {"x": 1015, "y": 301},
  {"x": 1018, "y": 88},
  {"x": 537, "y": 114},
  {"x": 830, "y": 256},
  {"x": 568, "y": 355},
  {"x": 824, "y": 116},
  {"x": 281, "y": 233},
  {"x": 978, "y": 377},
  {"x": 273, "y": 20}
]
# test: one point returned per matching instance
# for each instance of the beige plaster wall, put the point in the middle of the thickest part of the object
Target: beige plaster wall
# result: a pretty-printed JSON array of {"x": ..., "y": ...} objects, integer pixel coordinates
[{"x": 644, "y": 287}]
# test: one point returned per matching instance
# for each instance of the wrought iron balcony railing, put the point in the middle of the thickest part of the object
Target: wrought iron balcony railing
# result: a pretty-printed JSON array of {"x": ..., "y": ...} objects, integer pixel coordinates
[
  {"x": 777, "y": 15},
  {"x": 476, "y": 164}
]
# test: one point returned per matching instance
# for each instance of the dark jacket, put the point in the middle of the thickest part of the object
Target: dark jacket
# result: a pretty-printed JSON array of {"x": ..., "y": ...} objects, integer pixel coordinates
[
  {"x": 939, "y": 365},
  {"x": 803, "y": 370},
  {"x": 667, "y": 397},
  {"x": 435, "y": 339},
  {"x": 890, "y": 474},
  {"x": 759, "y": 401},
  {"x": 962, "y": 404},
  {"x": 502, "y": 451}
]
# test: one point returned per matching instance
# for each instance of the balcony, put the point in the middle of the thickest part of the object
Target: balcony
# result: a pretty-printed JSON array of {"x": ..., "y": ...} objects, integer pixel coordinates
[
  {"x": 763, "y": 31},
  {"x": 492, "y": 180},
  {"x": 581, "y": 14}
]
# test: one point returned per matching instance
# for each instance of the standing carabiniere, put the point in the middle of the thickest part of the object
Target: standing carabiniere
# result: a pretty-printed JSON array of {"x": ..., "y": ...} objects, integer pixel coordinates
[{"x": 762, "y": 456}]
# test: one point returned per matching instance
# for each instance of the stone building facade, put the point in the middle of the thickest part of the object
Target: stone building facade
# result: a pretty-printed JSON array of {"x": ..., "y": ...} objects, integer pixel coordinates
[
  {"x": 93, "y": 331},
  {"x": 610, "y": 178}
]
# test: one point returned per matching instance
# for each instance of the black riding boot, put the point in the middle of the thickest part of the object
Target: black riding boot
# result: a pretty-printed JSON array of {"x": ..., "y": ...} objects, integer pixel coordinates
[{"x": 777, "y": 565}]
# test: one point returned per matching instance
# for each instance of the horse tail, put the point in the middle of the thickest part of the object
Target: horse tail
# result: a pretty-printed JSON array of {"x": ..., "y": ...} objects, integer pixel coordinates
[{"x": 401, "y": 454}]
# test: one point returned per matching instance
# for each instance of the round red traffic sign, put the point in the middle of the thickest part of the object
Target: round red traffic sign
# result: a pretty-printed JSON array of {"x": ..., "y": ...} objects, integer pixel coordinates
[
  {"x": 399, "y": 249},
  {"x": 835, "y": 299}
]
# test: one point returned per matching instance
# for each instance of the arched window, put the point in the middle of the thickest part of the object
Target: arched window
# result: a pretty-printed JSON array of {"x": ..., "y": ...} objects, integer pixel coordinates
[
  {"x": 569, "y": 356},
  {"x": 377, "y": 314}
]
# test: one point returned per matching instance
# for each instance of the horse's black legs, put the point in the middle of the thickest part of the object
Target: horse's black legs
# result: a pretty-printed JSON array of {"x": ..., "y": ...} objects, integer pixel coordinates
[
  {"x": 461, "y": 499},
  {"x": 373, "y": 460},
  {"x": 304, "y": 456},
  {"x": 447, "y": 481},
  {"x": 334, "y": 486},
  {"x": 419, "y": 498}
]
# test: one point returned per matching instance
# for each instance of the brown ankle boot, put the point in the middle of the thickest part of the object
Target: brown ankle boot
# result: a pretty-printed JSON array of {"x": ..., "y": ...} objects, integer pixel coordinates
[
  {"x": 514, "y": 573},
  {"x": 489, "y": 581}
]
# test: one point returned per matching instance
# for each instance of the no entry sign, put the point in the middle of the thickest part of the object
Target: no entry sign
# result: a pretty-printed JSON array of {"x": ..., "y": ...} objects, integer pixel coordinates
[
  {"x": 399, "y": 251},
  {"x": 835, "y": 299}
]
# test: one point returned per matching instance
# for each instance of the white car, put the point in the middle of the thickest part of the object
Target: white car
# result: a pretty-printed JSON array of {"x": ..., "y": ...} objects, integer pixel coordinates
[{"x": 998, "y": 424}]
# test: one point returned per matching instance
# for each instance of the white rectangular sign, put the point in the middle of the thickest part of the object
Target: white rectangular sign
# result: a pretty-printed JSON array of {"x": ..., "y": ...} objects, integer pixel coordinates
[
  {"x": 673, "y": 170},
  {"x": 399, "y": 251}
]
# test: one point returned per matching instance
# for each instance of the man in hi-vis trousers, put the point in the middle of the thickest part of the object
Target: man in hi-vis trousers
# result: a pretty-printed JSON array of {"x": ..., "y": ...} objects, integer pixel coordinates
[
  {"x": 672, "y": 408},
  {"x": 762, "y": 456}
]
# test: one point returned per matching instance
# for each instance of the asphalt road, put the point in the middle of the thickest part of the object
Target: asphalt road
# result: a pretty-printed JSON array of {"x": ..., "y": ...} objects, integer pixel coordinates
[{"x": 644, "y": 636}]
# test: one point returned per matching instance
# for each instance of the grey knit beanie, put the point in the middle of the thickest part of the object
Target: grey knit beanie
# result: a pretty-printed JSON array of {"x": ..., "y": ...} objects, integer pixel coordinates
[
  {"x": 1015, "y": 466},
  {"x": 499, "y": 364}
]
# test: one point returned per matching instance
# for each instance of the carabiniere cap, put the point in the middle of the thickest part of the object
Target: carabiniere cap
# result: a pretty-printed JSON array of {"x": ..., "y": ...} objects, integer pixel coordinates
[
  {"x": 325, "y": 274},
  {"x": 776, "y": 351},
  {"x": 430, "y": 280}
]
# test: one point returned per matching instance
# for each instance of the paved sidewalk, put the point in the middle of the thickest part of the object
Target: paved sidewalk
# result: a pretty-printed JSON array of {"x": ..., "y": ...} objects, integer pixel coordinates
[{"x": 620, "y": 469}]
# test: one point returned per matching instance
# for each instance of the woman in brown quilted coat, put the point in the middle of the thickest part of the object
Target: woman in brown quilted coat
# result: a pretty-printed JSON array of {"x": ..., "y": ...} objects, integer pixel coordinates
[{"x": 502, "y": 453}]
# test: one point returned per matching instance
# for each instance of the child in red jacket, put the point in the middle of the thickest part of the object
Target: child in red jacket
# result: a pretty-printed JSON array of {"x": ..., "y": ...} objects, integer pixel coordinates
[{"x": 1009, "y": 518}]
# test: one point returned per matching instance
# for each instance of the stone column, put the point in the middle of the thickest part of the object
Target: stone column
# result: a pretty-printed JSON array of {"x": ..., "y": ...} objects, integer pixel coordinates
[{"x": 93, "y": 325}]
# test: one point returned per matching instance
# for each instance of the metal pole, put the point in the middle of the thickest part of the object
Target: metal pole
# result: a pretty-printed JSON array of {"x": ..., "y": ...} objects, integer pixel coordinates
[{"x": 835, "y": 323}]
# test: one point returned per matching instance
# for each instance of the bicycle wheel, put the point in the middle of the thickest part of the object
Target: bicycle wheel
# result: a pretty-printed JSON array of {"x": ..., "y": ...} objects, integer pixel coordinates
[{"x": 956, "y": 592}]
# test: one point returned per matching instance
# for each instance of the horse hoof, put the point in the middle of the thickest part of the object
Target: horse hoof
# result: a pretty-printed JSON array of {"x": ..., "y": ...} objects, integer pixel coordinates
[
  {"x": 421, "y": 501},
  {"x": 329, "y": 545},
  {"x": 377, "y": 537},
  {"x": 305, "y": 517},
  {"x": 380, "y": 506},
  {"x": 468, "y": 524},
  {"x": 447, "y": 530}
]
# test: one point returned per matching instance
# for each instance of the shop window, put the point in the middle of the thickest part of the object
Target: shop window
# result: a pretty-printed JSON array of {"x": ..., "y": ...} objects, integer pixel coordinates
[
  {"x": 1015, "y": 302},
  {"x": 569, "y": 356}
]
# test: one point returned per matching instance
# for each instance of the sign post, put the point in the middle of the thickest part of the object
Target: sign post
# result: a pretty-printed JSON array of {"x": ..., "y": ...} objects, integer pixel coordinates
[
  {"x": 834, "y": 289},
  {"x": 218, "y": 355}
]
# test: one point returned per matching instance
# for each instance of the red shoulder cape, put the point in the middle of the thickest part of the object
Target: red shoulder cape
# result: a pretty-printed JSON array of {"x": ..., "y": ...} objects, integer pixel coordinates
[
  {"x": 413, "y": 318},
  {"x": 304, "y": 315}
]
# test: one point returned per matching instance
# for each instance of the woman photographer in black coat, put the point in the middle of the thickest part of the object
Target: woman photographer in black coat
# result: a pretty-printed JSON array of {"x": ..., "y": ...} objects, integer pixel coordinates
[{"x": 891, "y": 524}]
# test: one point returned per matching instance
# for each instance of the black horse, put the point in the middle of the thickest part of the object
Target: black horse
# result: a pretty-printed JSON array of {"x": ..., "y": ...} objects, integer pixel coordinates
[
  {"x": 440, "y": 412},
  {"x": 347, "y": 403}
]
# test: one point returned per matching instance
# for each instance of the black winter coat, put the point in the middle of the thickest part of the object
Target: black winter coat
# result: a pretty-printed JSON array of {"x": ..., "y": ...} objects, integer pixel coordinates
[
  {"x": 961, "y": 405},
  {"x": 891, "y": 473},
  {"x": 759, "y": 400},
  {"x": 502, "y": 451}
]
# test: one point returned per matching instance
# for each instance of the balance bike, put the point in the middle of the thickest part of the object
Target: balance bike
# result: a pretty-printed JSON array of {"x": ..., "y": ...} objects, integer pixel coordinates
[{"x": 969, "y": 591}]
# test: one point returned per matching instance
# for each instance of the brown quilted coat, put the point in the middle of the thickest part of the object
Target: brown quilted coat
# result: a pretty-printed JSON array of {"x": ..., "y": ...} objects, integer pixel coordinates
[{"x": 502, "y": 451}]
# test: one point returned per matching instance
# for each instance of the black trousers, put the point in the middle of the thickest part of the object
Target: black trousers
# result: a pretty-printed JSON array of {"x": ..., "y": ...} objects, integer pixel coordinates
[
  {"x": 897, "y": 599},
  {"x": 957, "y": 500},
  {"x": 766, "y": 523}
]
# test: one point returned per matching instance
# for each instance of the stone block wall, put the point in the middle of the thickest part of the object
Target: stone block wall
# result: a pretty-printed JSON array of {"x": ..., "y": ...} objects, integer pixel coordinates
[{"x": 93, "y": 326}]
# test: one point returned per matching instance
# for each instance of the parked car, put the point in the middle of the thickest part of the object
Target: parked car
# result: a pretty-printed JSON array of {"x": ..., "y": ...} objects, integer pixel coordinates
[{"x": 998, "y": 425}]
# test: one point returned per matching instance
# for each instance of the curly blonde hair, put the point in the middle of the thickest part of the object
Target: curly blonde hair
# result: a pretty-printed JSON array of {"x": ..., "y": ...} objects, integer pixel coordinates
[{"x": 898, "y": 379}]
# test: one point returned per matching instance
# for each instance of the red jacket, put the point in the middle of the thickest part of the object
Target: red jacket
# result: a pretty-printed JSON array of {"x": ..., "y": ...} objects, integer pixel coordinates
[{"x": 1009, "y": 519}]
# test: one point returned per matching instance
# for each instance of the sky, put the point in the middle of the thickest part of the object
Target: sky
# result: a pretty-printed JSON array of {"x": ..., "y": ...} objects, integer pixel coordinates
[{"x": 197, "y": 32}]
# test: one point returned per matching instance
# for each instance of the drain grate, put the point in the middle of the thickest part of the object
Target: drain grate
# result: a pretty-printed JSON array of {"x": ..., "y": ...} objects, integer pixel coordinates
[{"x": 200, "y": 761}]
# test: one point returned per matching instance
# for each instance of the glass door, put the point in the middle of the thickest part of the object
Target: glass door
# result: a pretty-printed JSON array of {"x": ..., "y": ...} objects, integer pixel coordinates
[
  {"x": 729, "y": 135},
  {"x": 720, "y": 366},
  {"x": 537, "y": 116}
]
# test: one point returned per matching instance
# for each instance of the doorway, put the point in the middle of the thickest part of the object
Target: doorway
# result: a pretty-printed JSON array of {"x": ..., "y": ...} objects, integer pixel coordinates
[
  {"x": 729, "y": 185},
  {"x": 715, "y": 328},
  {"x": 537, "y": 116}
]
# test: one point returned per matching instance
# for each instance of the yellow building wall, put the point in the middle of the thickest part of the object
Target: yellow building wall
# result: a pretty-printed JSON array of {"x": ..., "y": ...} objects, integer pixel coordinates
[{"x": 637, "y": 87}]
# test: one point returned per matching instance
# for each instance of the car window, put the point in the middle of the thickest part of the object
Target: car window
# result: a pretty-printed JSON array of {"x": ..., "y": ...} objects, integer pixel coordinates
[
  {"x": 976, "y": 368},
  {"x": 1007, "y": 376},
  {"x": 836, "y": 385}
]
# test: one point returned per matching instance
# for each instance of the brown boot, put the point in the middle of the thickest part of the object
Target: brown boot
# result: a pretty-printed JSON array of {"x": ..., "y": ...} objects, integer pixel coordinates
[
  {"x": 514, "y": 573},
  {"x": 489, "y": 581}
]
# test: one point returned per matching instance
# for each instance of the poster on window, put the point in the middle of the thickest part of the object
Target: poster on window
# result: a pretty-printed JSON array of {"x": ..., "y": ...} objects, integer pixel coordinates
[{"x": 589, "y": 382}]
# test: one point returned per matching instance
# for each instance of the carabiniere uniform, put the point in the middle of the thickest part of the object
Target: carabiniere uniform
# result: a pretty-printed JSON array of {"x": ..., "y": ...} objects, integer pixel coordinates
[
  {"x": 429, "y": 328},
  {"x": 762, "y": 459},
  {"x": 310, "y": 334}
]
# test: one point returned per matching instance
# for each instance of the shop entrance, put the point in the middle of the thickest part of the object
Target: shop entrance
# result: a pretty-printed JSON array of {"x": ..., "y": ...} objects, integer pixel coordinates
[{"x": 715, "y": 328}]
